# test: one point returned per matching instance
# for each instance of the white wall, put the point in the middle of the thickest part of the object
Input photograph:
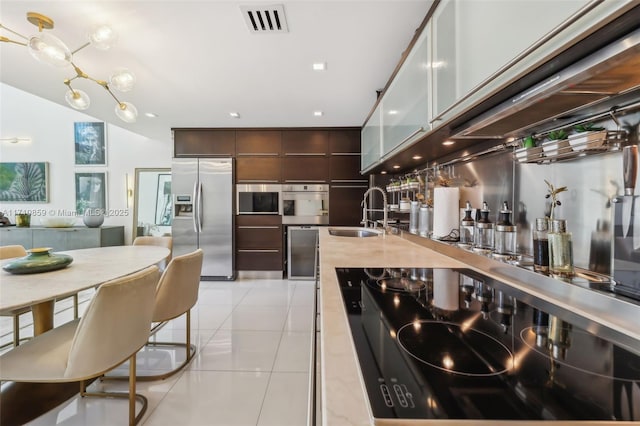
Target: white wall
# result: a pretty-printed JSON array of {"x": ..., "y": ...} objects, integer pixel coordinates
[{"x": 50, "y": 128}]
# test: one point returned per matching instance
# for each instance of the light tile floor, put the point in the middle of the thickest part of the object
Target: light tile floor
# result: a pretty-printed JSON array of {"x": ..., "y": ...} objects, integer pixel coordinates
[{"x": 252, "y": 366}]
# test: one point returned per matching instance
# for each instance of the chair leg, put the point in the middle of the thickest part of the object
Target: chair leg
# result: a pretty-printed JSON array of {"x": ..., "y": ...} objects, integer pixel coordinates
[
  {"x": 75, "y": 306},
  {"x": 132, "y": 390},
  {"x": 16, "y": 330}
]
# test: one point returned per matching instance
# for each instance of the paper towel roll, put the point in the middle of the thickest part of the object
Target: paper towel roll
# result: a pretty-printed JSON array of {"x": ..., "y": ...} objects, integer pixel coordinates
[
  {"x": 446, "y": 202},
  {"x": 446, "y": 289}
]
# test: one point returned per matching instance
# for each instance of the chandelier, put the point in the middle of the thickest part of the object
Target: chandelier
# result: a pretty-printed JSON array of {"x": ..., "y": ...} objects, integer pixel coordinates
[{"x": 49, "y": 49}]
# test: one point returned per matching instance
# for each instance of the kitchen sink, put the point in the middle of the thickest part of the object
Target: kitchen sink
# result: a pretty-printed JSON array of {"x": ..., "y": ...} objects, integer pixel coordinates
[{"x": 358, "y": 233}]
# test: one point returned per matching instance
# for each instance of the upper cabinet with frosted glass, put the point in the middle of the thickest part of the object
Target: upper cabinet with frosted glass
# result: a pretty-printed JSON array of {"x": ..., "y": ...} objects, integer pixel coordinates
[
  {"x": 406, "y": 107},
  {"x": 371, "y": 140},
  {"x": 480, "y": 47}
]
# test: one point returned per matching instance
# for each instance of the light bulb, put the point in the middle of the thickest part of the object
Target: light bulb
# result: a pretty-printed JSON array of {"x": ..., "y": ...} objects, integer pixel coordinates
[
  {"x": 102, "y": 37},
  {"x": 49, "y": 49},
  {"x": 122, "y": 80},
  {"x": 77, "y": 99},
  {"x": 126, "y": 112}
]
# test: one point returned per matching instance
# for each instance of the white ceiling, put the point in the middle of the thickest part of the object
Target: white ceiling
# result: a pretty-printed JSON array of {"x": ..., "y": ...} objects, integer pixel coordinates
[{"x": 196, "y": 61}]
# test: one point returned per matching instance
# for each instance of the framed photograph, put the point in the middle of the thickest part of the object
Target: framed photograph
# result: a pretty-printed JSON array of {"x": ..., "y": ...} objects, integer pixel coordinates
[
  {"x": 91, "y": 191},
  {"x": 24, "y": 182},
  {"x": 163, "y": 200},
  {"x": 90, "y": 144}
]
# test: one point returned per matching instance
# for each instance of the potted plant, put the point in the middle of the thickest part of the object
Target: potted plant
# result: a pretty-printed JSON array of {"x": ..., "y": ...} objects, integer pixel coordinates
[
  {"x": 557, "y": 143},
  {"x": 529, "y": 151},
  {"x": 587, "y": 136}
]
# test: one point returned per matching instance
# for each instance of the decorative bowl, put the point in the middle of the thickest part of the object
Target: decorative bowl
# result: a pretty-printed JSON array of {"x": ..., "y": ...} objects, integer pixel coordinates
[
  {"x": 38, "y": 260},
  {"x": 58, "y": 221}
]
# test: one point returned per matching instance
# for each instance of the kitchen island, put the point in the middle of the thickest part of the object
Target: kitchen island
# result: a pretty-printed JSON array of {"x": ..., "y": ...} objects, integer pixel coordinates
[{"x": 344, "y": 398}]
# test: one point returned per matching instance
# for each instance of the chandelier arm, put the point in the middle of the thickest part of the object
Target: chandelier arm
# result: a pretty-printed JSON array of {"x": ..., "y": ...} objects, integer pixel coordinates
[
  {"x": 80, "y": 48},
  {"x": 8, "y": 40},
  {"x": 14, "y": 33}
]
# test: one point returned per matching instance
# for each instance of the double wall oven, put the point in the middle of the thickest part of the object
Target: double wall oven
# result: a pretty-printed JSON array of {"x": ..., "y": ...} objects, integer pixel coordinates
[{"x": 456, "y": 344}]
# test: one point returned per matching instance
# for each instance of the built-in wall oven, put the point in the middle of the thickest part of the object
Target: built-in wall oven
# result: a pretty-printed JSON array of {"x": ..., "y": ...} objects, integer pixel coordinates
[
  {"x": 305, "y": 204},
  {"x": 259, "y": 199}
]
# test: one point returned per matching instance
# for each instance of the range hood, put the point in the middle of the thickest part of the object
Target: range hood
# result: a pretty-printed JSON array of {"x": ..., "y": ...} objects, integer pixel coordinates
[{"x": 606, "y": 79}]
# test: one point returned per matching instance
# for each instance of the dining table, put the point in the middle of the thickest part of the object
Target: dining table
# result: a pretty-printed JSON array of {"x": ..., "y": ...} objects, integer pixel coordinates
[{"x": 89, "y": 268}]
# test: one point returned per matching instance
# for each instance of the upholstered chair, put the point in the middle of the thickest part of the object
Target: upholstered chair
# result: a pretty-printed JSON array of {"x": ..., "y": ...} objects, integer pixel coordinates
[
  {"x": 176, "y": 294},
  {"x": 157, "y": 241},
  {"x": 113, "y": 328}
]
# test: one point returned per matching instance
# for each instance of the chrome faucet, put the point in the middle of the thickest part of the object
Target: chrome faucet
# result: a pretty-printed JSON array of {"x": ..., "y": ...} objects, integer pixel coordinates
[{"x": 365, "y": 210}]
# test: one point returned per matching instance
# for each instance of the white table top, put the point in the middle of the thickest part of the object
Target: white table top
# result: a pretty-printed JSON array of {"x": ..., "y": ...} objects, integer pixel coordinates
[{"x": 90, "y": 267}]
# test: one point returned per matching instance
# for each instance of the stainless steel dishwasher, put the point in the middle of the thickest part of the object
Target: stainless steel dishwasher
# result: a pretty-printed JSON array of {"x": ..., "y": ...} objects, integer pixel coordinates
[{"x": 302, "y": 242}]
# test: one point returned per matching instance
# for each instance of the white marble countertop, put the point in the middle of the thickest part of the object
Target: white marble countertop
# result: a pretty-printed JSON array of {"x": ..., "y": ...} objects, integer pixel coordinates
[{"x": 344, "y": 399}]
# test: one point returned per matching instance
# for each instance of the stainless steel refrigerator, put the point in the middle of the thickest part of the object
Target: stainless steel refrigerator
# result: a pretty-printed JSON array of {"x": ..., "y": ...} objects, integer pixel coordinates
[{"x": 202, "y": 195}]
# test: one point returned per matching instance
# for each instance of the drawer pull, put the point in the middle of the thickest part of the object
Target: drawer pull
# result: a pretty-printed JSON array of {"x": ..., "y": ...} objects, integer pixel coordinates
[
  {"x": 258, "y": 251},
  {"x": 257, "y": 227}
]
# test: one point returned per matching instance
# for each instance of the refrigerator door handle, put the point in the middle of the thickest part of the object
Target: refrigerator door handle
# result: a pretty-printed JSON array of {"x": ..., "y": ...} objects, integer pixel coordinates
[
  {"x": 199, "y": 206},
  {"x": 194, "y": 215}
]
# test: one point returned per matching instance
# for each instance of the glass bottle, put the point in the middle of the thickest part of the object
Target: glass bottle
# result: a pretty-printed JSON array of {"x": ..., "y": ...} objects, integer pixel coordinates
[
  {"x": 467, "y": 227},
  {"x": 560, "y": 250},
  {"x": 506, "y": 232},
  {"x": 541, "y": 245},
  {"x": 484, "y": 230}
]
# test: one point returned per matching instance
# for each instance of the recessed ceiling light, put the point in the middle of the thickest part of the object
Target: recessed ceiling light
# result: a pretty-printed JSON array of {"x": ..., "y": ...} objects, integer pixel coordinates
[
  {"x": 318, "y": 113},
  {"x": 234, "y": 114},
  {"x": 393, "y": 112},
  {"x": 447, "y": 143},
  {"x": 319, "y": 66},
  {"x": 396, "y": 166},
  {"x": 151, "y": 114},
  {"x": 417, "y": 157},
  {"x": 384, "y": 172}
]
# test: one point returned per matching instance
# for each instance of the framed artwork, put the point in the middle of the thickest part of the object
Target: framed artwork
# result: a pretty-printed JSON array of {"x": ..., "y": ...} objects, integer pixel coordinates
[
  {"x": 90, "y": 144},
  {"x": 24, "y": 182},
  {"x": 163, "y": 200},
  {"x": 91, "y": 191}
]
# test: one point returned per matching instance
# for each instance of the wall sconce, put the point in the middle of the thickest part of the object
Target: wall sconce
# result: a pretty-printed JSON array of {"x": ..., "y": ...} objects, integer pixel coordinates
[
  {"x": 49, "y": 49},
  {"x": 15, "y": 140}
]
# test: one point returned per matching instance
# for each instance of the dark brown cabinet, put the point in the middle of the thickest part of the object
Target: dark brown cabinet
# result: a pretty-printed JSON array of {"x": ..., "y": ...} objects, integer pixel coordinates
[
  {"x": 305, "y": 169},
  {"x": 344, "y": 202},
  {"x": 305, "y": 142},
  {"x": 259, "y": 244},
  {"x": 258, "y": 169},
  {"x": 345, "y": 141},
  {"x": 204, "y": 142},
  {"x": 345, "y": 168},
  {"x": 258, "y": 142}
]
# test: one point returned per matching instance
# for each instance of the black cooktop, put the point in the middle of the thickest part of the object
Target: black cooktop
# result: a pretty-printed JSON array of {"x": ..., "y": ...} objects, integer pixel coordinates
[{"x": 456, "y": 344}]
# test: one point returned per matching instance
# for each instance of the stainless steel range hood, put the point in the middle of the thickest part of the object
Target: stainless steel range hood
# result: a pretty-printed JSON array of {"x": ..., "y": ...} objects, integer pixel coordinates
[{"x": 607, "y": 78}]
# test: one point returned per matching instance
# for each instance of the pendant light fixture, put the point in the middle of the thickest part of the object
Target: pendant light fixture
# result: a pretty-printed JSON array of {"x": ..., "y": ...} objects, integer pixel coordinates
[{"x": 49, "y": 49}]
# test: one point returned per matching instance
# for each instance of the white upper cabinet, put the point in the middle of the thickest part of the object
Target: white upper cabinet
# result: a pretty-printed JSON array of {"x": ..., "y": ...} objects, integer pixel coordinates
[
  {"x": 407, "y": 107},
  {"x": 480, "y": 46},
  {"x": 371, "y": 140}
]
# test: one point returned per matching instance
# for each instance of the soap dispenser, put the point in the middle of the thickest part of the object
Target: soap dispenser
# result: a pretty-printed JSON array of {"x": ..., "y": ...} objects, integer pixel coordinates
[
  {"x": 467, "y": 227},
  {"x": 506, "y": 233},
  {"x": 484, "y": 231}
]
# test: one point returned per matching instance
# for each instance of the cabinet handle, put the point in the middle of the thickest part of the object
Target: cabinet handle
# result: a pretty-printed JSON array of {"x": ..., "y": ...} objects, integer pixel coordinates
[
  {"x": 257, "y": 227},
  {"x": 257, "y": 180},
  {"x": 305, "y": 180},
  {"x": 307, "y": 154},
  {"x": 258, "y": 154},
  {"x": 349, "y": 180},
  {"x": 258, "y": 251},
  {"x": 345, "y": 153},
  {"x": 348, "y": 186}
]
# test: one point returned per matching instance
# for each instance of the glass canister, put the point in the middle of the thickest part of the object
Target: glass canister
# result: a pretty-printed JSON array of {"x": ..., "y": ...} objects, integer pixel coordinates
[
  {"x": 23, "y": 220},
  {"x": 506, "y": 232},
  {"x": 414, "y": 212},
  {"x": 484, "y": 234},
  {"x": 541, "y": 245},
  {"x": 467, "y": 226},
  {"x": 560, "y": 250},
  {"x": 424, "y": 220}
]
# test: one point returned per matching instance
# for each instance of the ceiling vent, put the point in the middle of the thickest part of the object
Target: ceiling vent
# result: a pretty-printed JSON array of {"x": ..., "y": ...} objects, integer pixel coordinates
[{"x": 265, "y": 19}]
